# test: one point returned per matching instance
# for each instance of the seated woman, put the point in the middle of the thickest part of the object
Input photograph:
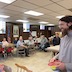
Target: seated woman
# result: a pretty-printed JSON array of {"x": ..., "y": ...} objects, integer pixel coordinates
[
  {"x": 2, "y": 46},
  {"x": 5, "y": 45},
  {"x": 9, "y": 39}
]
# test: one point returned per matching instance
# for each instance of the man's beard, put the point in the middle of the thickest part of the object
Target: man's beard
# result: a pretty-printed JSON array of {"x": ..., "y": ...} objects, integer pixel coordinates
[
  {"x": 70, "y": 27},
  {"x": 64, "y": 32}
]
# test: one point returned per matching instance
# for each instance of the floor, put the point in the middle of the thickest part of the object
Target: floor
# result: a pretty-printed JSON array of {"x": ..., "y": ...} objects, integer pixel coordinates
[{"x": 37, "y": 62}]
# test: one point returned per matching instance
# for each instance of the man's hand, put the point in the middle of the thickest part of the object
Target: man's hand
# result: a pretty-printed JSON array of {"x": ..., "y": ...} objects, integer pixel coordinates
[
  {"x": 52, "y": 60},
  {"x": 24, "y": 46},
  {"x": 60, "y": 66}
]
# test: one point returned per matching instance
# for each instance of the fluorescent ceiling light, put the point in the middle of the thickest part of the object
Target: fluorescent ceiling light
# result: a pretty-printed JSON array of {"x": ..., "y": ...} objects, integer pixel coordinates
[
  {"x": 34, "y": 13},
  {"x": 43, "y": 22},
  {"x": 50, "y": 24},
  {"x": 59, "y": 16},
  {"x": 24, "y": 21},
  {"x": 7, "y": 1},
  {"x": 4, "y": 16}
]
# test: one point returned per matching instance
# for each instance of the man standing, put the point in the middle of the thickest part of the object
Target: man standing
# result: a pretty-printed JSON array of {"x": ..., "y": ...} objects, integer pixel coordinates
[{"x": 65, "y": 54}]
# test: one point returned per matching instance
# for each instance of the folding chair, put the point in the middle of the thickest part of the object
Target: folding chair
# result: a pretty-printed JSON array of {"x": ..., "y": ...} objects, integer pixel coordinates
[
  {"x": 22, "y": 68},
  {"x": 2, "y": 52},
  {"x": 20, "y": 51}
]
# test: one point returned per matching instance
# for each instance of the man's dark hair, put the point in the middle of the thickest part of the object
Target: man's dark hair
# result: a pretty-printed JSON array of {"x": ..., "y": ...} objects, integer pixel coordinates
[{"x": 67, "y": 19}]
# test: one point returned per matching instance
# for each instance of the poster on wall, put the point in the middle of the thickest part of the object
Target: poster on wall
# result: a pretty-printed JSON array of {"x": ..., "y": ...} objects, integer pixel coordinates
[{"x": 15, "y": 31}]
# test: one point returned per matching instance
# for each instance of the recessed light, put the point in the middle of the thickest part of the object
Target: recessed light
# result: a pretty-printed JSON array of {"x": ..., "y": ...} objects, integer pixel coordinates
[
  {"x": 50, "y": 24},
  {"x": 22, "y": 21},
  {"x": 34, "y": 13},
  {"x": 59, "y": 16},
  {"x": 43, "y": 22},
  {"x": 7, "y": 1},
  {"x": 4, "y": 16}
]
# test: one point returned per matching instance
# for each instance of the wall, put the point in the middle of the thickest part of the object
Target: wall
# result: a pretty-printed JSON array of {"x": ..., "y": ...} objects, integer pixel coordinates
[
  {"x": 25, "y": 35},
  {"x": 2, "y": 36},
  {"x": 9, "y": 31},
  {"x": 46, "y": 32},
  {"x": 54, "y": 29}
]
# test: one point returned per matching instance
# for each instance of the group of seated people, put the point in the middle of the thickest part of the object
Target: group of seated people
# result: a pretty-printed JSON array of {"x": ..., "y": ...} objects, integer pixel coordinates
[
  {"x": 5, "y": 48},
  {"x": 31, "y": 43},
  {"x": 42, "y": 43}
]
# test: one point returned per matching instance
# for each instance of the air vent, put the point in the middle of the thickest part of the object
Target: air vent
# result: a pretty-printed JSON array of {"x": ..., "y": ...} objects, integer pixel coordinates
[{"x": 33, "y": 19}]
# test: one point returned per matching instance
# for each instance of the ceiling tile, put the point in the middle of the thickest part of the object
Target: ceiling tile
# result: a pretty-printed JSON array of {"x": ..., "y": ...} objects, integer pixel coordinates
[
  {"x": 54, "y": 14},
  {"x": 14, "y": 8},
  {"x": 9, "y": 11},
  {"x": 50, "y": 9},
  {"x": 42, "y": 10},
  {"x": 54, "y": 7},
  {"x": 2, "y": 5},
  {"x": 24, "y": 4},
  {"x": 40, "y": 2},
  {"x": 56, "y": 0},
  {"x": 66, "y": 3},
  {"x": 65, "y": 12}
]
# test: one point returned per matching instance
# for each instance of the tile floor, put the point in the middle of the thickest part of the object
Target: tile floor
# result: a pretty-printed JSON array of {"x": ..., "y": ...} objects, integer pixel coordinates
[{"x": 37, "y": 62}]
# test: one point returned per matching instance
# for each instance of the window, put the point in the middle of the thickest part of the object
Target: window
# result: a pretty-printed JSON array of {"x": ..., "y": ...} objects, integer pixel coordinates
[
  {"x": 42, "y": 27},
  {"x": 26, "y": 27},
  {"x": 2, "y": 27}
]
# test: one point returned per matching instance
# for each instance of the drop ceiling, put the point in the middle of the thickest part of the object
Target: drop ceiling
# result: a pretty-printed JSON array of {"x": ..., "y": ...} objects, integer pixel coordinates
[{"x": 50, "y": 8}]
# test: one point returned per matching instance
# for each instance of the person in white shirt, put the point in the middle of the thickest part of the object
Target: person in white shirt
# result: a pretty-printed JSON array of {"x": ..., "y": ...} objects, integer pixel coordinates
[
  {"x": 44, "y": 43},
  {"x": 20, "y": 43},
  {"x": 30, "y": 42},
  {"x": 4, "y": 43}
]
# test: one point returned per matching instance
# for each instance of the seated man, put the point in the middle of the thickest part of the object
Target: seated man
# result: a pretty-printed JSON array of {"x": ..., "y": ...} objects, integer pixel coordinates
[
  {"x": 35, "y": 39},
  {"x": 15, "y": 41},
  {"x": 56, "y": 39},
  {"x": 30, "y": 42},
  {"x": 20, "y": 43},
  {"x": 44, "y": 43}
]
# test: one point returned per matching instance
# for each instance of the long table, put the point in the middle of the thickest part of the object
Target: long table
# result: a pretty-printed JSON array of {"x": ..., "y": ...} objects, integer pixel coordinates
[{"x": 53, "y": 48}]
